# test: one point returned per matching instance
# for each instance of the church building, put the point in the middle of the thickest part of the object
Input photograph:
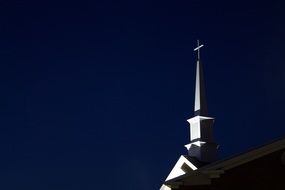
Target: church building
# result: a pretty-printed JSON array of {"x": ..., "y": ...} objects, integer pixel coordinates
[{"x": 259, "y": 168}]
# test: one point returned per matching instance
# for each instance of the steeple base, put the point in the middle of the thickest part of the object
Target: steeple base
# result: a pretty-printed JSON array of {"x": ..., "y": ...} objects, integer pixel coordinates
[{"x": 203, "y": 151}]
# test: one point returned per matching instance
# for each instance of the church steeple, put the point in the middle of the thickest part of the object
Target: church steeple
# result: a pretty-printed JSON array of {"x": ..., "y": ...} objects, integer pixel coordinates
[
  {"x": 202, "y": 148},
  {"x": 202, "y": 145}
]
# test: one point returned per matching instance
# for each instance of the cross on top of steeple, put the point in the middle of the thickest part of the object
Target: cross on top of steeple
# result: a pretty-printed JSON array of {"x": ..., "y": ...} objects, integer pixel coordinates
[{"x": 198, "y": 48}]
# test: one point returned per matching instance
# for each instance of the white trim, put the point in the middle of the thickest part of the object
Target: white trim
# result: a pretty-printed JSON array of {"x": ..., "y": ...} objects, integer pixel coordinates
[
  {"x": 177, "y": 171},
  {"x": 197, "y": 143}
]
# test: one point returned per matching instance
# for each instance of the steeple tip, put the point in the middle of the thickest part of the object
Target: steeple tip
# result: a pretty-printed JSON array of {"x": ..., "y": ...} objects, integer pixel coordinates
[{"x": 198, "y": 49}]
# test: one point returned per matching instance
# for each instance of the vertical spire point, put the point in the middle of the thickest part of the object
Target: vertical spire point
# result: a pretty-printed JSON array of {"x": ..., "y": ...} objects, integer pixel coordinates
[{"x": 200, "y": 94}]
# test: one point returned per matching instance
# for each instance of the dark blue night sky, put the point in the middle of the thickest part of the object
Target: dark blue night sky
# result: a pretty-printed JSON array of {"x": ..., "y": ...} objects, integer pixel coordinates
[{"x": 95, "y": 95}]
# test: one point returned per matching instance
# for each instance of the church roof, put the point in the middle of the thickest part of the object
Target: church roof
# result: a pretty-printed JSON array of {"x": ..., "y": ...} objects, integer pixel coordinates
[{"x": 204, "y": 174}]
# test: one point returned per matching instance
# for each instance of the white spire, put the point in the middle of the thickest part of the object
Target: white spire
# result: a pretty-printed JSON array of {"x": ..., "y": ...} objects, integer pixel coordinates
[
  {"x": 202, "y": 145},
  {"x": 200, "y": 94}
]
